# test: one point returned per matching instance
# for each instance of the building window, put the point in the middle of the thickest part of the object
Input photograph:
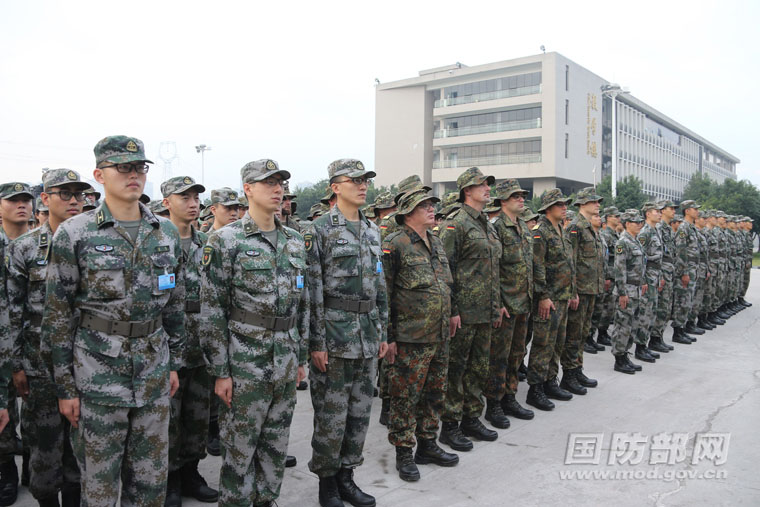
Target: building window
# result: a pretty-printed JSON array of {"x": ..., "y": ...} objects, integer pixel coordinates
[
  {"x": 567, "y": 145},
  {"x": 567, "y": 111},
  {"x": 567, "y": 78}
]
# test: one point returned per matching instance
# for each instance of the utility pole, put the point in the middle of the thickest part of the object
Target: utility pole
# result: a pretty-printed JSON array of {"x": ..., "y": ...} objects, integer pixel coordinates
[
  {"x": 613, "y": 90},
  {"x": 202, "y": 149}
]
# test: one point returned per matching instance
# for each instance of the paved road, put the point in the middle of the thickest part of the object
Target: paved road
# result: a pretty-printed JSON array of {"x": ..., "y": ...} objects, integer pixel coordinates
[{"x": 710, "y": 387}]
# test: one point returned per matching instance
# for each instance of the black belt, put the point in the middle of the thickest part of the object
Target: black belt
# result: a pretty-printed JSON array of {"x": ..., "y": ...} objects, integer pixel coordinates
[
  {"x": 350, "y": 305},
  {"x": 192, "y": 307},
  {"x": 130, "y": 329},
  {"x": 271, "y": 323}
]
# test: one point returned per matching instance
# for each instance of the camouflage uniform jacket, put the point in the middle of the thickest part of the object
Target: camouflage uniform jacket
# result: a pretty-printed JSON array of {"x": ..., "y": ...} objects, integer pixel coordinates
[
  {"x": 704, "y": 254},
  {"x": 553, "y": 268},
  {"x": 193, "y": 356},
  {"x": 388, "y": 225},
  {"x": 611, "y": 238},
  {"x": 630, "y": 264},
  {"x": 667, "y": 236},
  {"x": 473, "y": 249},
  {"x": 292, "y": 223},
  {"x": 27, "y": 270},
  {"x": 713, "y": 246},
  {"x": 346, "y": 267},
  {"x": 515, "y": 265},
  {"x": 686, "y": 250},
  {"x": 6, "y": 342},
  {"x": 419, "y": 287},
  {"x": 588, "y": 255},
  {"x": 95, "y": 268},
  {"x": 748, "y": 246},
  {"x": 734, "y": 248},
  {"x": 609, "y": 269},
  {"x": 242, "y": 270},
  {"x": 651, "y": 243}
]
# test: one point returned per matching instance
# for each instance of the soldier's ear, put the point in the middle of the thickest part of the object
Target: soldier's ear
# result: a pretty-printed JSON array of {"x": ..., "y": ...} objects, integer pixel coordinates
[{"x": 98, "y": 175}]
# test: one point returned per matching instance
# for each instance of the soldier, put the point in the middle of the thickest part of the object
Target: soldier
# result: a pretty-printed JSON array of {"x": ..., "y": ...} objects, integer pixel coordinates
[
  {"x": 289, "y": 208},
  {"x": 630, "y": 284},
  {"x": 42, "y": 212},
  {"x": 118, "y": 270},
  {"x": 188, "y": 424},
  {"x": 158, "y": 208},
  {"x": 685, "y": 275},
  {"x": 554, "y": 287},
  {"x": 589, "y": 258},
  {"x": 716, "y": 261},
  {"x": 349, "y": 312},
  {"x": 704, "y": 275},
  {"x": 473, "y": 249},
  {"x": 8, "y": 481},
  {"x": 419, "y": 291},
  {"x": 667, "y": 266},
  {"x": 449, "y": 205},
  {"x": 748, "y": 252},
  {"x": 255, "y": 303},
  {"x": 675, "y": 224},
  {"x": 516, "y": 292},
  {"x": 531, "y": 219},
  {"x": 52, "y": 467},
  {"x": 651, "y": 243},
  {"x": 604, "y": 306},
  {"x": 384, "y": 206},
  {"x": 16, "y": 203},
  {"x": 225, "y": 207}
]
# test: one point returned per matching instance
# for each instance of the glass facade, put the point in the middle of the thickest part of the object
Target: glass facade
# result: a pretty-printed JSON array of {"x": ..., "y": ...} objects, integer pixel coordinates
[
  {"x": 490, "y": 89},
  {"x": 500, "y": 121},
  {"x": 508, "y": 152}
]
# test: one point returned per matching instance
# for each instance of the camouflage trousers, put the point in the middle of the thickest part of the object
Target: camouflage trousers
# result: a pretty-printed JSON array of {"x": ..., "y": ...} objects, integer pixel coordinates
[
  {"x": 664, "y": 306},
  {"x": 626, "y": 321},
  {"x": 188, "y": 424},
  {"x": 683, "y": 299},
  {"x": 47, "y": 436},
  {"x": 254, "y": 433},
  {"x": 578, "y": 327},
  {"x": 747, "y": 275},
  {"x": 548, "y": 341},
  {"x": 708, "y": 303},
  {"x": 382, "y": 379},
  {"x": 699, "y": 297},
  {"x": 8, "y": 435},
  {"x": 720, "y": 285},
  {"x": 647, "y": 311},
  {"x": 468, "y": 371},
  {"x": 507, "y": 352},
  {"x": 604, "y": 311},
  {"x": 127, "y": 443},
  {"x": 417, "y": 386},
  {"x": 342, "y": 401}
]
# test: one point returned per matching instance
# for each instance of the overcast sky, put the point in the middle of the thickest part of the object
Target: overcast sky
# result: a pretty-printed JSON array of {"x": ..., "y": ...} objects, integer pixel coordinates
[{"x": 294, "y": 81}]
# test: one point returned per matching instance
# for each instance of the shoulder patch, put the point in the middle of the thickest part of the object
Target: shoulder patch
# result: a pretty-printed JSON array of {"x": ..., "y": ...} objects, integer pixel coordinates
[
  {"x": 619, "y": 249},
  {"x": 386, "y": 250},
  {"x": 207, "y": 251},
  {"x": 308, "y": 240},
  {"x": 450, "y": 227},
  {"x": 642, "y": 239}
]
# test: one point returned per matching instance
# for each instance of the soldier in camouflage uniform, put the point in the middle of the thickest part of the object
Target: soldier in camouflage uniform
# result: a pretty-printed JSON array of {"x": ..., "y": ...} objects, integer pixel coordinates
[
  {"x": 42, "y": 212},
  {"x": 225, "y": 207},
  {"x": 554, "y": 286},
  {"x": 8, "y": 466},
  {"x": 289, "y": 208},
  {"x": 667, "y": 266},
  {"x": 630, "y": 285},
  {"x": 188, "y": 425},
  {"x": 53, "y": 467},
  {"x": 473, "y": 249},
  {"x": 419, "y": 291},
  {"x": 349, "y": 312},
  {"x": 604, "y": 306},
  {"x": 384, "y": 207},
  {"x": 255, "y": 306},
  {"x": 589, "y": 259},
  {"x": 704, "y": 276},
  {"x": 717, "y": 260},
  {"x": 114, "y": 318},
  {"x": 516, "y": 292},
  {"x": 749, "y": 248},
  {"x": 651, "y": 244},
  {"x": 687, "y": 258},
  {"x": 449, "y": 205}
]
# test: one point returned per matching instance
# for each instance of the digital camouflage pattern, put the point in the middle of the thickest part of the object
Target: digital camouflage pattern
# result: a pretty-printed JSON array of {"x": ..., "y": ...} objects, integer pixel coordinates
[
  {"x": 686, "y": 263},
  {"x": 225, "y": 196},
  {"x": 120, "y": 150},
  {"x": 703, "y": 272},
  {"x": 651, "y": 243},
  {"x": 630, "y": 267},
  {"x": 243, "y": 271},
  {"x": 349, "y": 167},
  {"x": 665, "y": 297},
  {"x": 180, "y": 185},
  {"x": 6, "y": 340}
]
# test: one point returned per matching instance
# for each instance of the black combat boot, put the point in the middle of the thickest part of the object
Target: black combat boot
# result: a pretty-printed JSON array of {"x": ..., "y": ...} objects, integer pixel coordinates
[
  {"x": 452, "y": 436},
  {"x": 635, "y": 366},
  {"x": 495, "y": 415},
  {"x": 429, "y": 452},
  {"x": 350, "y": 492},
  {"x": 385, "y": 411},
  {"x": 195, "y": 486},
  {"x": 328, "y": 492},
  {"x": 652, "y": 353},
  {"x": 722, "y": 313},
  {"x": 583, "y": 379},
  {"x": 570, "y": 383},
  {"x": 692, "y": 328},
  {"x": 596, "y": 345},
  {"x": 642, "y": 354},
  {"x": 51, "y": 501},
  {"x": 702, "y": 323},
  {"x": 603, "y": 338},
  {"x": 680, "y": 337},
  {"x": 213, "y": 444},
  {"x": 622, "y": 365},
  {"x": 173, "y": 490},
  {"x": 473, "y": 428},
  {"x": 302, "y": 386},
  {"x": 290, "y": 461},
  {"x": 407, "y": 468},
  {"x": 71, "y": 494},
  {"x": 738, "y": 306},
  {"x": 713, "y": 318},
  {"x": 510, "y": 406},
  {"x": 744, "y": 302},
  {"x": 554, "y": 391},
  {"x": 537, "y": 398},
  {"x": 656, "y": 344},
  {"x": 588, "y": 346},
  {"x": 8, "y": 482},
  {"x": 522, "y": 373}
]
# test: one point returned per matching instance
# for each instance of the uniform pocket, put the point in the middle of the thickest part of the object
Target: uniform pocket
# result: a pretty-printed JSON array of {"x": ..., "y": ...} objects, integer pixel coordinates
[
  {"x": 256, "y": 275},
  {"x": 345, "y": 261},
  {"x": 105, "y": 277}
]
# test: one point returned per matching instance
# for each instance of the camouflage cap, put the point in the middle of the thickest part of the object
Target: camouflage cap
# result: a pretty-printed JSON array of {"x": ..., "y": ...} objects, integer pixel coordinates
[
  {"x": 491, "y": 207},
  {"x": 708, "y": 213},
  {"x": 570, "y": 214},
  {"x": 677, "y": 217},
  {"x": 157, "y": 206},
  {"x": 666, "y": 203},
  {"x": 410, "y": 184},
  {"x": 286, "y": 191},
  {"x": 318, "y": 210},
  {"x": 225, "y": 196},
  {"x": 92, "y": 192},
  {"x": 611, "y": 211},
  {"x": 243, "y": 200},
  {"x": 120, "y": 149},
  {"x": 328, "y": 196},
  {"x": 528, "y": 214},
  {"x": 506, "y": 189},
  {"x": 259, "y": 170},
  {"x": 369, "y": 211},
  {"x": 384, "y": 201},
  {"x": 689, "y": 204},
  {"x": 411, "y": 200},
  {"x": 472, "y": 176},
  {"x": 9, "y": 190},
  {"x": 449, "y": 199},
  {"x": 180, "y": 184},
  {"x": 649, "y": 205},
  {"x": 720, "y": 214},
  {"x": 90, "y": 205},
  {"x": 552, "y": 197},
  {"x": 586, "y": 195},
  {"x": 60, "y": 177},
  {"x": 749, "y": 219},
  {"x": 39, "y": 205},
  {"x": 631, "y": 215},
  {"x": 349, "y": 167}
]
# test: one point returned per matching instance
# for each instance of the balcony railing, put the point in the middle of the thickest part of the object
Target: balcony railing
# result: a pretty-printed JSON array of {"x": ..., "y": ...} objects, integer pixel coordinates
[
  {"x": 482, "y": 97},
  {"x": 489, "y": 128},
  {"x": 520, "y": 158}
]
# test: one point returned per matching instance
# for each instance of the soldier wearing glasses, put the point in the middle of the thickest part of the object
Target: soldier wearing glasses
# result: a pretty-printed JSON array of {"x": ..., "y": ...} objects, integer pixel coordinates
[
  {"x": 349, "y": 311},
  {"x": 52, "y": 464},
  {"x": 114, "y": 318}
]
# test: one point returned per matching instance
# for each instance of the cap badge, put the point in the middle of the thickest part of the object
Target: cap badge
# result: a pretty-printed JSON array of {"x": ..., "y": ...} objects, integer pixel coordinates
[
  {"x": 18, "y": 187},
  {"x": 360, "y": 166},
  {"x": 131, "y": 146},
  {"x": 188, "y": 180},
  {"x": 71, "y": 175},
  {"x": 270, "y": 166}
]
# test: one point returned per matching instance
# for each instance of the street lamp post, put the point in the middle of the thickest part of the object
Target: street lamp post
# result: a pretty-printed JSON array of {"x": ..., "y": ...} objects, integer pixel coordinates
[
  {"x": 613, "y": 90},
  {"x": 202, "y": 149}
]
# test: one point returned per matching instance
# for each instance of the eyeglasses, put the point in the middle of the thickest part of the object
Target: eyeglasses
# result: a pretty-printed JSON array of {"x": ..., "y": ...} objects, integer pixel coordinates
[
  {"x": 426, "y": 205},
  {"x": 128, "y": 168},
  {"x": 357, "y": 181},
  {"x": 66, "y": 195},
  {"x": 273, "y": 182}
]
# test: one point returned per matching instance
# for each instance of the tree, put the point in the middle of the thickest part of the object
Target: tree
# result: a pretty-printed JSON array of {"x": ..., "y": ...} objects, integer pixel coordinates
[
  {"x": 700, "y": 188},
  {"x": 732, "y": 196},
  {"x": 629, "y": 194},
  {"x": 308, "y": 195}
]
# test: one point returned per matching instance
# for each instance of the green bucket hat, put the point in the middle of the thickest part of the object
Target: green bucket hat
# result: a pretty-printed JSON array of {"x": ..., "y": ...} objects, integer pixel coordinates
[
  {"x": 9, "y": 190},
  {"x": 506, "y": 189},
  {"x": 286, "y": 191},
  {"x": 225, "y": 196},
  {"x": 120, "y": 150},
  {"x": 552, "y": 197},
  {"x": 368, "y": 211},
  {"x": 411, "y": 200},
  {"x": 318, "y": 209},
  {"x": 472, "y": 176},
  {"x": 586, "y": 195},
  {"x": 60, "y": 177},
  {"x": 409, "y": 184},
  {"x": 349, "y": 167},
  {"x": 328, "y": 196},
  {"x": 180, "y": 184}
]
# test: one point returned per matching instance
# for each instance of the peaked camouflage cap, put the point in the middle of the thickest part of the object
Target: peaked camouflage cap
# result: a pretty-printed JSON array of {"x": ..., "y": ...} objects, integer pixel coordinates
[
  {"x": 552, "y": 197},
  {"x": 349, "y": 167},
  {"x": 631, "y": 215},
  {"x": 409, "y": 184},
  {"x": 677, "y": 217},
  {"x": 60, "y": 177},
  {"x": 411, "y": 200},
  {"x": 90, "y": 205},
  {"x": 649, "y": 205},
  {"x": 243, "y": 200},
  {"x": 689, "y": 204},
  {"x": 225, "y": 196},
  {"x": 119, "y": 150},
  {"x": 9, "y": 190},
  {"x": 39, "y": 205},
  {"x": 91, "y": 192},
  {"x": 328, "y": 196},
  {"x": 262, "y": 169},
  {"x": 384, "y": 201},
  {"x": 180, "y": 184},
  {"x": 157, "y": 206},
  {"x": 666, "y": 203},
  {"x": 318, "y": 209},
  {"x": 611, "y": 211},
  {"x": 472, "y": 176},
  {"x": 586, "y": 195},
  {"x": 506, "y": 189}
]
